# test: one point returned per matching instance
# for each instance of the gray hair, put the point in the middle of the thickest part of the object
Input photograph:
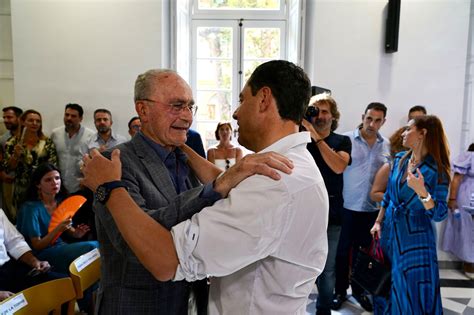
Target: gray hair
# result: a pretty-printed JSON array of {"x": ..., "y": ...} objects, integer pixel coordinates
[{"x": 145, "y": 82}]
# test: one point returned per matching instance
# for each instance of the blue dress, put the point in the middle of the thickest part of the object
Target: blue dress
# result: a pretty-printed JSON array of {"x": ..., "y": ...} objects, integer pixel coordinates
[
  {"x": 408, "y": 238},
  {"x": 33, "y": 221}
]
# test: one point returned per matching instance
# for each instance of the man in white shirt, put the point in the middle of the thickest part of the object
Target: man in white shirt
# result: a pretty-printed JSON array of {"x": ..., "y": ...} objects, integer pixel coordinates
[
  {"x": 24, "y": 270},
  {"x": 265, "y": 242},
  {"x": 71, "y": 142},
  {"x": 105, "y": 138}
]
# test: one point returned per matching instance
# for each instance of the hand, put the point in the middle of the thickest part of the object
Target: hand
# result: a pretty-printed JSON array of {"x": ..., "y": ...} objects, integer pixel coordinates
[
  {"x": 98, "y": 170},
  {"x": 452, "y": 204},
  {"x": 64, "y": 225},
  {"x": 18, "y": 151},
  {"x": 267, "y": 164},
  {"x": 42, "y": 266},
  {"x": 376, "y": 230},
  {"x": 5, "y": 294},
  {"x": 309, "y": 127},
  {"x": 417, "y": 183},
  {"x": 81, "y": 230}
]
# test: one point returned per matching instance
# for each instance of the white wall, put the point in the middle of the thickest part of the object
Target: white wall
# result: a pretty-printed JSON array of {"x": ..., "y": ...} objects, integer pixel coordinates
[
  {"x": 6, "y": 57},
  {"x": 345, "y": 40},
  {"x": 88, "y": 51}
]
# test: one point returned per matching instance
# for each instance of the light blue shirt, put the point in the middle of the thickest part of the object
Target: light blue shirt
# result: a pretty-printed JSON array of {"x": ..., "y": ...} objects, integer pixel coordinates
[
  {"x": 70, "y": 152},
  {"x": 115, "y": 139},
  {"x": 359, "y": 176}
]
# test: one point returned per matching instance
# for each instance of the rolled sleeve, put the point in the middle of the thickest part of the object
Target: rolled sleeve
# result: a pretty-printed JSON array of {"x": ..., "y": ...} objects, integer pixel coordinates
[
  {"x": 14, "y": 242},
  {"x": 185, "y": 237}
]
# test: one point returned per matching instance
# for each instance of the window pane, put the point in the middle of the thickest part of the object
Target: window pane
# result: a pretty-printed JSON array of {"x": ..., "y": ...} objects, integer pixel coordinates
[
  {"x": 239, "y": 4},
  {"x": 213, "y": 74},
  {"x": 262, "y": 43},
  {"x": 214, "y": 105},
  {"x": 214, "y": 42}
]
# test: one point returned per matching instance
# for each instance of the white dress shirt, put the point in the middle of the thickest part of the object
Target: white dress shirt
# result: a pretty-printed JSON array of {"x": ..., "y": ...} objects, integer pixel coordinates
[
  {"x": 70, "y": 152},
  {"x": 265, "y": 243},
  {"x": 11, "y": 241}
]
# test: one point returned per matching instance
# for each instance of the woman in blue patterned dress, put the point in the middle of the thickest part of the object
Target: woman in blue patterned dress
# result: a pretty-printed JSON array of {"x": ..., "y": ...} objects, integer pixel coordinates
[{"x": 415, "y": 197}]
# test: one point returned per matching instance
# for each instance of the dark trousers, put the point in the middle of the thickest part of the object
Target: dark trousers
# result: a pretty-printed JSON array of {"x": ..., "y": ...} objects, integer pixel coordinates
[
  {"x": 200, "y": 288},
  {"x": 14, "y": 276},
  {"x": 355, "y": 233}
]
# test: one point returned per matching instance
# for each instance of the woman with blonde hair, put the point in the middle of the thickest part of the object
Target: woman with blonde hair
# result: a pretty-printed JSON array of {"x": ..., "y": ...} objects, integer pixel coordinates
[
  {"x": 416, "y": 196},
  {"x": 225, "y": 154},
  {"x": 24, "y": 153}
]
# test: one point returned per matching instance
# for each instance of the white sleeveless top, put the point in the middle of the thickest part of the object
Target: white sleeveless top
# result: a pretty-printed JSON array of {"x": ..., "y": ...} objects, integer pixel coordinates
[{"x": 224, "y": 164}]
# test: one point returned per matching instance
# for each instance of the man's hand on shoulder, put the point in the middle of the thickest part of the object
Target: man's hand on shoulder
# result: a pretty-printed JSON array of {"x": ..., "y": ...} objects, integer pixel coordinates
[
  {"x": 98, "y": 170},
  {"x": 267, "y": 164}
]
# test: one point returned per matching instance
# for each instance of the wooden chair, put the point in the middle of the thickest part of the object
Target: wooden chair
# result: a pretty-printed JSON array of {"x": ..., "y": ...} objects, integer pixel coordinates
[
  {"x": 85, "y": 278},
  {"x": 45, "y": 298}
]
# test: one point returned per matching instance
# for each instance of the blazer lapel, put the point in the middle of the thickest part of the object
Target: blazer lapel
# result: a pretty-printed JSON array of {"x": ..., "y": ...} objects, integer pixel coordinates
[{"x": 155, "y": 167}]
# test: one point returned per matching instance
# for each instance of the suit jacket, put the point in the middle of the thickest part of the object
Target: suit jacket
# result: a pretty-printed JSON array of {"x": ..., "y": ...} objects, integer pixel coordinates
[{"x": 126, "y": 287}]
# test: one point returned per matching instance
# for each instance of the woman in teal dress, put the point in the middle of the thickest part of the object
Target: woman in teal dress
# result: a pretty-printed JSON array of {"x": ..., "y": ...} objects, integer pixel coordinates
[
  {"x": 416, "y": 196},
  {"x": 35, "y": 215}
]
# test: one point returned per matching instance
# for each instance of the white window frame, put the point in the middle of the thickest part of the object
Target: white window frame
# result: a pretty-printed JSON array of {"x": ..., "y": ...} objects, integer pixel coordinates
[
  {"x": 185, "y": 16},
  {"x": 237, "y": 13}
]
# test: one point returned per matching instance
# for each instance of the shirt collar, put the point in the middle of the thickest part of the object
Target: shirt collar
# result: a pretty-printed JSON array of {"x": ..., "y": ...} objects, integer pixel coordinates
[
  {"x": 113, "y": 136},
  {"x": 358, "y": 135},
  {"x": 161, "y": 151},
  {"x": 292, "y": 140}
]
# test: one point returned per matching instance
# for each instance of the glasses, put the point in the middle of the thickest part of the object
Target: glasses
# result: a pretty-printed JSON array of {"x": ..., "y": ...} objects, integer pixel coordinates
[{"x": 177, "y": 107}]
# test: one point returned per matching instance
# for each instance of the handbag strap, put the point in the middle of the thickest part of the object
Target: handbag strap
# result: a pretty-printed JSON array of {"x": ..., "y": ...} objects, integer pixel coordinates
[{"x": 376, "y": 250}]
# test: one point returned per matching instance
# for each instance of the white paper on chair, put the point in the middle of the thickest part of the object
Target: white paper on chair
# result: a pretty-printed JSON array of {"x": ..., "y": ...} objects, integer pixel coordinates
[
  {"x": 86, "y": 259},
  {"x": 12, "y": 306}
]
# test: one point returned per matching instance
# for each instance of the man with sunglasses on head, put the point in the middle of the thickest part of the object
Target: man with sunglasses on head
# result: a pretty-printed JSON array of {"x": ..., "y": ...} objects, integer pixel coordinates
[{"x": 156, "y": 174}]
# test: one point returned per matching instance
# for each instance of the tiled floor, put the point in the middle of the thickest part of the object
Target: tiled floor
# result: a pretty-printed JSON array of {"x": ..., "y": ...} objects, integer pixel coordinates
[{"x": 457, "y": 294}]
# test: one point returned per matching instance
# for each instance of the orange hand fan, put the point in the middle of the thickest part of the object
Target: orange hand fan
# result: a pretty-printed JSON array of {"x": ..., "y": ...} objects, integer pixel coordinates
[{"x": 66, "y": 209}]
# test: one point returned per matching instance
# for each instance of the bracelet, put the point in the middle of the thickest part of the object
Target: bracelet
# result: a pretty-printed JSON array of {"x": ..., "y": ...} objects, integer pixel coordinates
[
  {"x": 452, "y": 198},
  {"x": 379, "y": 221},
  {"x": 425, "y": 199}
]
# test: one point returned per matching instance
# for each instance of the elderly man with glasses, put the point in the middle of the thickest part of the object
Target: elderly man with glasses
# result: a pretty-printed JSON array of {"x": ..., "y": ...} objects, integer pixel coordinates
[{"x": 156, "y": 174}]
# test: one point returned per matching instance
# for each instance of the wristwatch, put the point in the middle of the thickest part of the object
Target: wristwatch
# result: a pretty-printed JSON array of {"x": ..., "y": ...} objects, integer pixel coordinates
[
  {"x": 102, "y": 192},
  {"x": 426, "y": 199}
]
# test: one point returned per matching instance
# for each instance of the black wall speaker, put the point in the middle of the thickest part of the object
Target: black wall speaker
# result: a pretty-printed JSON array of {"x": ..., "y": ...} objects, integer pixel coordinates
[
  {"x": 318, "y": 90},
  {"x": 392, "y": 26}
]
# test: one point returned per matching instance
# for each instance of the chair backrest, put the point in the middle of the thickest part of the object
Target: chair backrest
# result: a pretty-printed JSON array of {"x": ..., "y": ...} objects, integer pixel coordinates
[
  {"x": 88, "y": 275},
  {"x": 42, "y": 298}
]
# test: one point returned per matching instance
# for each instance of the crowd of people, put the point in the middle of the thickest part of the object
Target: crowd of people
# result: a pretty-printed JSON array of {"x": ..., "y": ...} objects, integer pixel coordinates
[{"x": 261, "y": 228}]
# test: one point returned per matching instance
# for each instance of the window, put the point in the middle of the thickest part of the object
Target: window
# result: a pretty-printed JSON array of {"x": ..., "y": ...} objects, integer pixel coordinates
[{"x": 228, "y": 40}]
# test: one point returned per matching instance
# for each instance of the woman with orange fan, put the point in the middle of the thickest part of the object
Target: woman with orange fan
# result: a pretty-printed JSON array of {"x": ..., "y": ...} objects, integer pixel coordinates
[{"x": 44, "y": 196}]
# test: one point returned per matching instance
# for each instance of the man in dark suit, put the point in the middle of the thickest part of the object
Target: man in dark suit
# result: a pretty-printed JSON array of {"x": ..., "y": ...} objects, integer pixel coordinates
[{"x": 155, "y": 172}]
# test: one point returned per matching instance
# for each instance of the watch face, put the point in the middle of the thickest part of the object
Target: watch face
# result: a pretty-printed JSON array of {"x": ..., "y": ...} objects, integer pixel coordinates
[{"x": 101, "y": 193}]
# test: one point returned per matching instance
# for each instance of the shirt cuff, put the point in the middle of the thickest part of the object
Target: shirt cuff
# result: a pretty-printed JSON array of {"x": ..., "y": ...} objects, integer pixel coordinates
[
  {"x": 185, "y": 236},
  {"x": 209, "y": 193}
]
